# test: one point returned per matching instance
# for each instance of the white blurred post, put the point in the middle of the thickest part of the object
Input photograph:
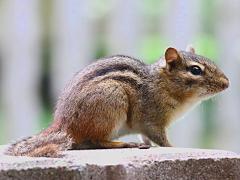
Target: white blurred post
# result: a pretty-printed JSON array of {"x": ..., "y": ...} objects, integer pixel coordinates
[
  {"x": 72, "y": 40},
  {"x": 182, "y": 22},
  {"x": 124, "y": 29},
  {"x": 228, "y": 33},
  {"x": 20, "y": 48},
  {"x": 180, "y": 28}
]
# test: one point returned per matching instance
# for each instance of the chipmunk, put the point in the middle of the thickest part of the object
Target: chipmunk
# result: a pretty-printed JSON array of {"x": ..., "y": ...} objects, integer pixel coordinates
[{"x": 121, "y": 95}]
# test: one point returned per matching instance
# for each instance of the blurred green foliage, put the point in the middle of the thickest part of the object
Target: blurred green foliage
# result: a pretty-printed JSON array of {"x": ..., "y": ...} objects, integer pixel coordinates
[{"x": 152, "y": 48}]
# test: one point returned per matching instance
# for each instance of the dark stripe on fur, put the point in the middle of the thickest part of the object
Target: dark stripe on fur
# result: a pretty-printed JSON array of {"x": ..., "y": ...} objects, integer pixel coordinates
[{"x": 113, "y": 68}]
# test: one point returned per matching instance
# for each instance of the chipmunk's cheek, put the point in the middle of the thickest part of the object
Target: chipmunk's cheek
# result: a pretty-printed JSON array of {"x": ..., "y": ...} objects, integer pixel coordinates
[{"x": 205, "y": 92}]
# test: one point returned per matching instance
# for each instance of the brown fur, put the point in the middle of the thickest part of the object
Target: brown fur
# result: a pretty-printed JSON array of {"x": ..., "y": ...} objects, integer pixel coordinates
[{"x": 121, "y": 95}]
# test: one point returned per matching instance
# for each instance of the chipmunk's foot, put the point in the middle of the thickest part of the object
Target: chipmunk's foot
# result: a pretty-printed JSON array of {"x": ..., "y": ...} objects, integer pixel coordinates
[{"x": 137, "y": 145}]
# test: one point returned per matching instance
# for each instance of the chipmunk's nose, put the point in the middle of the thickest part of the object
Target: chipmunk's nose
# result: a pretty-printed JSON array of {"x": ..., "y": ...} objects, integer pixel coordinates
[{"x": 224, "y": 82}]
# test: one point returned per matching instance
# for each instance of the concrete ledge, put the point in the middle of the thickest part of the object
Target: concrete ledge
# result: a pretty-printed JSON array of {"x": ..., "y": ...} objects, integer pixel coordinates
[{"x": 154, "y": 163}]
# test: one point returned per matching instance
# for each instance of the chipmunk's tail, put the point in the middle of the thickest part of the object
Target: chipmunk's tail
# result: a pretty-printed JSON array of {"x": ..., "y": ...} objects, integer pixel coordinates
[{"x": 41, "y": 145}]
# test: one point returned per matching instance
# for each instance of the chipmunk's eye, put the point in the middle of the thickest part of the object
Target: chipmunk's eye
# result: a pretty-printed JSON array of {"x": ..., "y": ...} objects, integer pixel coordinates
[{"x": 195, "y": 70}]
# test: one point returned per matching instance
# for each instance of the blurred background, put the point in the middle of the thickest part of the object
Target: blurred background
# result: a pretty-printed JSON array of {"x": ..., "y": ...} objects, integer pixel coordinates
[{"x": 44, "y": 42}]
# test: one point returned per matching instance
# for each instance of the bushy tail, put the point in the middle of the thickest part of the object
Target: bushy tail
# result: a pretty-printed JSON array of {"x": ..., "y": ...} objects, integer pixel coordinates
[{"x": 41, "y": 145}]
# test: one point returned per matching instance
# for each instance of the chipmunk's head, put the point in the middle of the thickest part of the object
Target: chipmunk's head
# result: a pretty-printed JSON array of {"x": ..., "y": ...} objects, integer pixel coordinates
[{"x": 194, "y": 74}]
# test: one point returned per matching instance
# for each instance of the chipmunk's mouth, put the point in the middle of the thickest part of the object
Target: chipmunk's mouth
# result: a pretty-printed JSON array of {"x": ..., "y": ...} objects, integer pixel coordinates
[{"x": 214, "y": 89}]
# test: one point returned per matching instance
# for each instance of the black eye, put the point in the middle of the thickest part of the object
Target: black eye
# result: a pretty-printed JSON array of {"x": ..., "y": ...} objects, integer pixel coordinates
[{"x": 195, "y": 70}]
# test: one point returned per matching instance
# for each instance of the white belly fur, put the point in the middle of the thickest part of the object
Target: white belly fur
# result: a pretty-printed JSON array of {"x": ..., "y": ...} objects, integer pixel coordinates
[{"x": 182, "y": 109}]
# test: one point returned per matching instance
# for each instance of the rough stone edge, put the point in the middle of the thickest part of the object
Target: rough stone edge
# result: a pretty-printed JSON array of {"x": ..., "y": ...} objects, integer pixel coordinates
[{"x": 225, "y": 168}]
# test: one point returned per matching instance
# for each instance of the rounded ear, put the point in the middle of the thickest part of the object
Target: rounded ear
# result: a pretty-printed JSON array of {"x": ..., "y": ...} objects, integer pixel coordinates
[
  {"x": 190, "y": 49},
  {"x": 171, "y": 54}
]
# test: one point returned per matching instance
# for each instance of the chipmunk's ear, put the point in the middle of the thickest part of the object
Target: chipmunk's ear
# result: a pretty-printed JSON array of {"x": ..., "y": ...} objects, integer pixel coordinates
[
  {"x": 171, "y": 55},
  {"x": 190, "y": 49}
]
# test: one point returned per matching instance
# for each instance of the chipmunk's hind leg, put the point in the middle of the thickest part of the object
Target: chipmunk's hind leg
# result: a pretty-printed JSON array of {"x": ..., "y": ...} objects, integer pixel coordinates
[
  {"x": 109, "y": 145},
  {"x": 102, "y": 117}
]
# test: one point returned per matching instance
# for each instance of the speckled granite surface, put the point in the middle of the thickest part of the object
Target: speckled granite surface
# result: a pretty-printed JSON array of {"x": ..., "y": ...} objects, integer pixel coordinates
[{"x": 154, "y": 163}]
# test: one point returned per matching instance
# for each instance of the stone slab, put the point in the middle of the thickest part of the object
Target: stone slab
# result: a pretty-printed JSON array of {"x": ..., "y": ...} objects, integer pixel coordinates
[{"x": 116, "y": 164}]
